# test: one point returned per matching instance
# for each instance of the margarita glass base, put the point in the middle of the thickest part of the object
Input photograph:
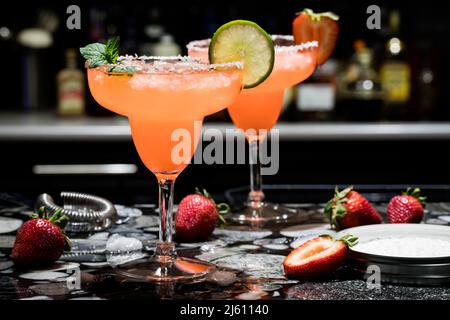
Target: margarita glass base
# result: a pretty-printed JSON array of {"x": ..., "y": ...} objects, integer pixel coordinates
[
  {"x": 166, "y": 269},
  {"x": 263, "y": 214}
]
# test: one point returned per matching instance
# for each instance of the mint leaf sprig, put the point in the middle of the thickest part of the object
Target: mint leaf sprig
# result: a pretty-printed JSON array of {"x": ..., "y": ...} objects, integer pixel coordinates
[{"x": 99, "y": 54}]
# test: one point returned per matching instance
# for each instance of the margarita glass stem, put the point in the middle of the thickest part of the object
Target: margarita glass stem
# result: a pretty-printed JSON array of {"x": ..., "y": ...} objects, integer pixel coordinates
[
  {"x": 256, "y": 195},
  {"x": 165, "y": 249}
]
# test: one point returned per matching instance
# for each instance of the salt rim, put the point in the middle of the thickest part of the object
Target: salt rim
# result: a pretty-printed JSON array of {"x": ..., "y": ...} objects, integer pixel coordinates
[
  {"x": 166, "y": 64},
  {"x": 203, "y": 45}
]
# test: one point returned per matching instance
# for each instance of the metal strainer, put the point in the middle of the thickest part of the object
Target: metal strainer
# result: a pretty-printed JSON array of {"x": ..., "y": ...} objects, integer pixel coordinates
[{"x": 86, "y": 212}]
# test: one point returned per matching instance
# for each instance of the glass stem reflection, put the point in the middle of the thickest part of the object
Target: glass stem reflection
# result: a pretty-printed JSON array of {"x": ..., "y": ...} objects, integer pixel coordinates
[
  {"x": 256, "y": 195},
  {"x": 165, "y": 247}
]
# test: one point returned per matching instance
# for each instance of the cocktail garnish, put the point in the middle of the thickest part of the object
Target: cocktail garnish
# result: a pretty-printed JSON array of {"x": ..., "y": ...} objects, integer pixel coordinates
[
  {"x": 322, "y": 27},
  {"x": 99, "y": 54},
  {"x": 122, "y": 69},
  {"x": 242, "y": 40}
]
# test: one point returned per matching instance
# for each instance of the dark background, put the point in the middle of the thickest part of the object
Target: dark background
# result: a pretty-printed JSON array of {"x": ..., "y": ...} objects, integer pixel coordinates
[{"x": 425, "y": 28}]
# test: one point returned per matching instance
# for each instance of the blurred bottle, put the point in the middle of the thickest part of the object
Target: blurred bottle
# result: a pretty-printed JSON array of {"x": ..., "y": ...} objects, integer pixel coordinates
[
  {"x": 395, "y": 73},
  {"x": 166, "y": 47},
  {"x": 425, "y": 81},
  {"x": 70, "y": 83},
  {"x": 10, "y": 51},
  {"x": 315, "y": 98},
  {"x": 153, "y": 31},
  {"x": 360, "y": 93},
  {"x": 35, "y": 43},
  {"x": 97, "y": 33},
  {"x": 97, "y": 25}
]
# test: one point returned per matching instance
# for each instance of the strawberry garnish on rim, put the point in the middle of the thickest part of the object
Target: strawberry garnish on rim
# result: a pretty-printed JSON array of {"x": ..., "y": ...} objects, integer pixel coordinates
[
  {"x": 321, "y": 27},
  {"x": 318, "y": 257}
]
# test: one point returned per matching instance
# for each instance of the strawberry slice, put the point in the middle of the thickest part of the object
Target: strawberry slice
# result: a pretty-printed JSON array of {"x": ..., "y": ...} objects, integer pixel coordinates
[
  {"x": 322, "y": 27},
  {"x": 191, "y": 267},
  {"x": 317, "y": 257}
]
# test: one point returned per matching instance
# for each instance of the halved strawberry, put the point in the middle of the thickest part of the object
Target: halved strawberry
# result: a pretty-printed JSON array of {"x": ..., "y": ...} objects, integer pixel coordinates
[
  {"x": 317, "y": 257},
  {"x": 322, "y": 27}
]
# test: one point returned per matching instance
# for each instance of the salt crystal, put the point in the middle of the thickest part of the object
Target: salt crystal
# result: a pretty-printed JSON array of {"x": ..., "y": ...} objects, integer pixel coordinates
[{"x": 413, "y": 247}]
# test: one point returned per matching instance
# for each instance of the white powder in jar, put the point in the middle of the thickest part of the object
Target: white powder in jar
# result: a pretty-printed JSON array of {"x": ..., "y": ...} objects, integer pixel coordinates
[{"x": 411, "y": 247}]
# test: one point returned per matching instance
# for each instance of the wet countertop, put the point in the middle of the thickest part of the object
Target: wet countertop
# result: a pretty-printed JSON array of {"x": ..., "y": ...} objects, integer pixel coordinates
[
  {"x": 46, "y": 126},
  {"x": 249, "y": 264}
]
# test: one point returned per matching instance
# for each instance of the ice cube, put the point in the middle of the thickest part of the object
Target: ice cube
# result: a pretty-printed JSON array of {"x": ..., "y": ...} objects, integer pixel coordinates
[
  {"x": 122, "y": 249},
  {"x": 118, "y": 243}
]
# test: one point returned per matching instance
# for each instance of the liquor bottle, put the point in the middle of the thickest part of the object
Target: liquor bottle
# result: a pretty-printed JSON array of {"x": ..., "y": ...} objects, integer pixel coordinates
[
  {"x": 395, "y": 73},
  {"x": 166, "y": 47},
  {"x": 70, "y": 83},
  {"x": 153, "y": 31},
  {"x": 98, "y": 32},
  {"x": 360, "y": 93},
  {"x": 315, "y": 97},
  {"x": 10, "y": 51},
  {"x": 425, "y": 81}
]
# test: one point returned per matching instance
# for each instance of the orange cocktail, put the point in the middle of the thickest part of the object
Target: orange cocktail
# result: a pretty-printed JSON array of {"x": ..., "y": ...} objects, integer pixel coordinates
[
  {"x": 165, "y": 100},
  {"x": 256, "y": 110}
]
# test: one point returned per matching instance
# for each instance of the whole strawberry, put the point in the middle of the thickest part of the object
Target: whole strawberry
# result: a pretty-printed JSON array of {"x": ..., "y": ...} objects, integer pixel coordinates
[
  {"x": 40, "y": 241},
  {"x": 197, "y": 216},
  {"x": 318, "y": 257},
  {"x": 406, "y": 208},
  {"x": 350, "y": 209}
]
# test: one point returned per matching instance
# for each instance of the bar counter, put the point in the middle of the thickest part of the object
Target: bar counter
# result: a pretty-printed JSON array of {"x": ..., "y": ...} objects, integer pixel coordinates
[
  {"x": 249, "y": 262},
  {"x": 49, "y": 127}
]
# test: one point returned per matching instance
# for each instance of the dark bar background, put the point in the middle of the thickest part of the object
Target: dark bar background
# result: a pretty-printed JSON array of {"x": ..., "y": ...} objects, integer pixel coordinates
[{"x": 302, "y": 162}]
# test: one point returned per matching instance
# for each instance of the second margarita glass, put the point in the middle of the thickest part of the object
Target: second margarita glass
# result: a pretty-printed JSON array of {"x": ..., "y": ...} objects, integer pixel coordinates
[{"x": 256, "y": 111}]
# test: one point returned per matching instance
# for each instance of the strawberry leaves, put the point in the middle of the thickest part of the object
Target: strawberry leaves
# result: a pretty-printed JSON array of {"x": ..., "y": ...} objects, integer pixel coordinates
[
  {"x": 222, "y": 208},
  {"x": 58, "y": 219},
  {"x": 349, "y": 240},
  {"x": 316, "y": 16},
  {"x": 334, "y": 208},
  {"x": 415, "y": 193}
]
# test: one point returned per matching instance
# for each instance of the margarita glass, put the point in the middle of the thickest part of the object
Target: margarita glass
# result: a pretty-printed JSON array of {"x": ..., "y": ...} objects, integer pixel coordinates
[
  {"x": 165, "y": 100},
  {"x": 256, "y": 111}
]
